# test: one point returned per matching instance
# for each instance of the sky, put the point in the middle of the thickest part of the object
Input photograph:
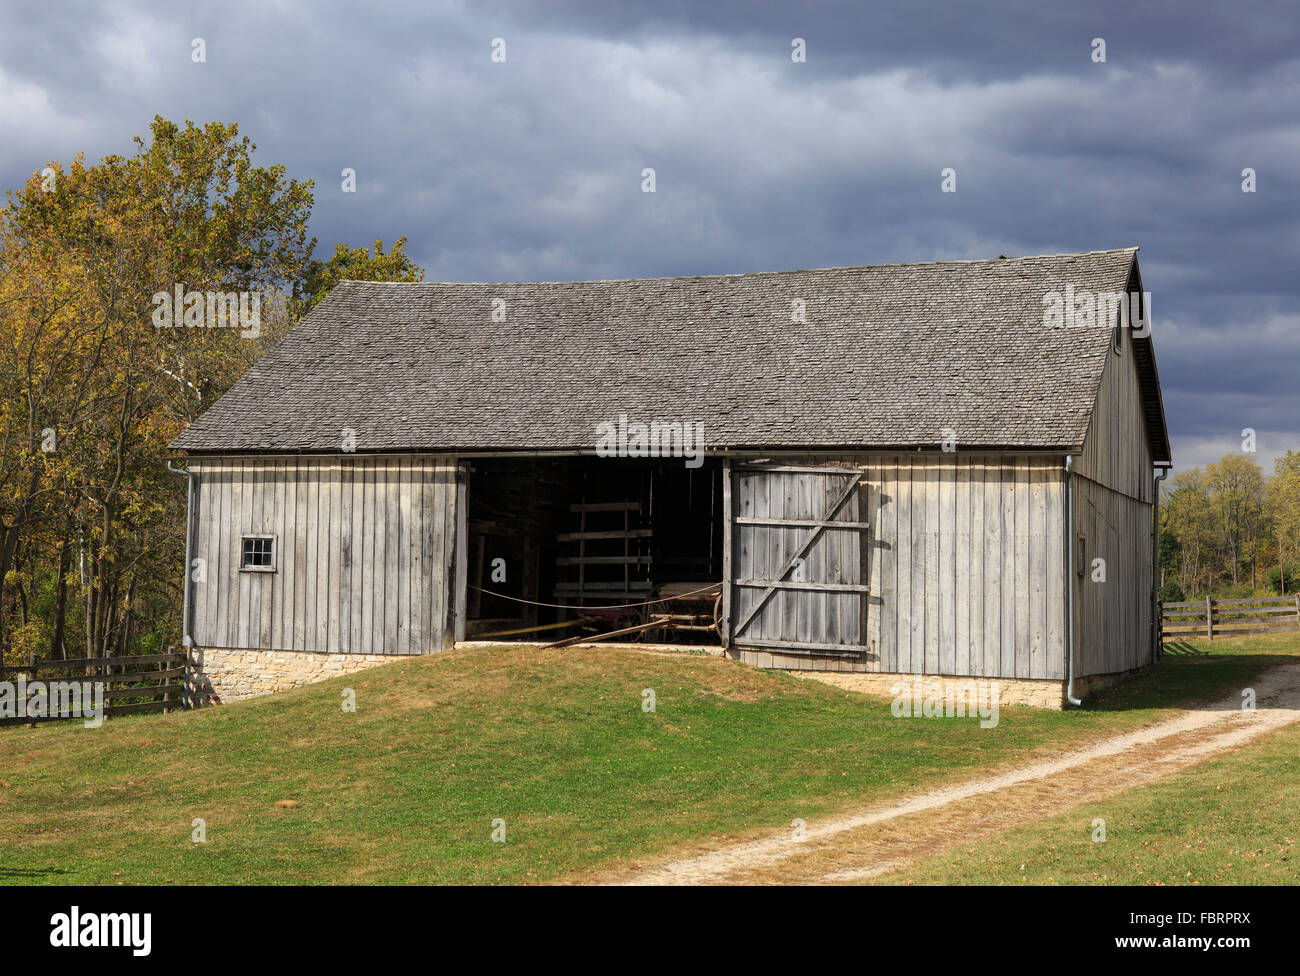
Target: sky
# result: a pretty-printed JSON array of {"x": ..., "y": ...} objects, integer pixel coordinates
[{"x": 531, "y": 167}]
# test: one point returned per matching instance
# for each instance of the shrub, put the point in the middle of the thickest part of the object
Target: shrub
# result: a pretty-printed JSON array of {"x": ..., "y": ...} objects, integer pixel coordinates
[{"x": 1273, "y": 578}]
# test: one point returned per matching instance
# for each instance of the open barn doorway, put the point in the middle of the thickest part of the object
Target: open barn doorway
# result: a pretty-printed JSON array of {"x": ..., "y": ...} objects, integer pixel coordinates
[{"x": 561, "y": 548}]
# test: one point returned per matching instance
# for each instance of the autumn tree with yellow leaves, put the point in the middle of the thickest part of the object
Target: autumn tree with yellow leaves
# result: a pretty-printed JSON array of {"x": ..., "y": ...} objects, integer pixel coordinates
[{"x": 92, "y": 390}]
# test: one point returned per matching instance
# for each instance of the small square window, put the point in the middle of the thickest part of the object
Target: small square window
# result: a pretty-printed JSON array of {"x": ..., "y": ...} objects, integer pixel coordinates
[{"x": 257, "y": 553}]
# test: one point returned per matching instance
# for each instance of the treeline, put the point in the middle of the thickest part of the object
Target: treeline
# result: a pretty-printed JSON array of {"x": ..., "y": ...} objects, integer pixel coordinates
[
  {"x": 1227, "y": 530},
  {"x": 92, "y": 389}
]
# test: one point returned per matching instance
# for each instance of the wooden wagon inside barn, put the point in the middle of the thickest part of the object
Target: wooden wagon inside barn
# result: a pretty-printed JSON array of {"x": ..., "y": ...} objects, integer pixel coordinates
[{"x": 901, "y": 469}]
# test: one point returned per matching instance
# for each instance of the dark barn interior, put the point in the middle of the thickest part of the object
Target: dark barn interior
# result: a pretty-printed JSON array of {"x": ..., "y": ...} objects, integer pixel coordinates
[{"x": 582, "y": 547}]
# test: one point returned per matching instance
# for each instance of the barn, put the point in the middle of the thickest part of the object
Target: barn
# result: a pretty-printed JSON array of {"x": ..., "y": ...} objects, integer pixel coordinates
[{"x": 944, "y": 469}]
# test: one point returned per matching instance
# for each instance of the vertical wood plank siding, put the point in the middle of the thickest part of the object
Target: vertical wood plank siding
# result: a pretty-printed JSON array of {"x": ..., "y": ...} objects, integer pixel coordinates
[
  {"x": 1113, "y": 487},
  {"x": 830, "y": 558},
  {"x": 1112, "y": 618},
  {"x": 363, "y": 553},
  {"x": 1116, "y": 452},
  {"x": 966, "y": 565},
  {"x": 967, "y": 554}
]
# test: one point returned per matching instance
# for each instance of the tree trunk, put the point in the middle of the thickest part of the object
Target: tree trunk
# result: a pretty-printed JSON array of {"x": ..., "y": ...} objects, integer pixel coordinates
[{"x": 57, "y": 649}]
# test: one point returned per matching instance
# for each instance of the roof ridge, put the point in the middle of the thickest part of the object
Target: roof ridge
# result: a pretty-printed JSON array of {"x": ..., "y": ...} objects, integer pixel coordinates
[{"x": 759, "y": 274}]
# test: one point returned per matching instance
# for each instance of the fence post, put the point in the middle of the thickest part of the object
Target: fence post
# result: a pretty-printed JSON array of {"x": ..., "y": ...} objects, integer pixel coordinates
[
  {"x": 31, "y": 663},
  {"x": 1297, "y": 609},
  {"x": 1209, "y": 618}
]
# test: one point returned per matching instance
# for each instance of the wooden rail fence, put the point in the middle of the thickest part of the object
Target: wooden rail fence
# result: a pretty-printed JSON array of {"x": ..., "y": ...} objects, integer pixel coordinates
[
  {"x": 1229, "y": 618},
  {"x": 137, "y": 683}
]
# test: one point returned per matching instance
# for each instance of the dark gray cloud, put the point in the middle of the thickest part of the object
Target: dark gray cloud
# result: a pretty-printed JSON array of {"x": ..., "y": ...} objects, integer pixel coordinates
[{"x": 532, "y": 169}]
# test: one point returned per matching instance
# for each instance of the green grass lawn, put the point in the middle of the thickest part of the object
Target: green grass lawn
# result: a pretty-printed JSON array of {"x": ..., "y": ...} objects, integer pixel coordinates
[
  {"x": 553, "y": 742},
  {"x": 1231, "y": 821}
]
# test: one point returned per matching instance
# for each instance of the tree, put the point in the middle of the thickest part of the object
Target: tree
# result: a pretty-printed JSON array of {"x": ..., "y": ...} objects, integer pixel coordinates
[
  {"x": 358, "y": 264},
  {"x": 1237, "y": 485},
  {"x": 1282, "y": 502},
  {"x": 81, "y": 264},
  {"x": 1187, "y": 516},
  {"x": 92, "y": 389}
]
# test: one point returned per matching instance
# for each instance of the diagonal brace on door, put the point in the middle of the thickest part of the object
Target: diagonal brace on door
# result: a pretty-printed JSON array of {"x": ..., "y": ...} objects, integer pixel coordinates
[{"x": 816, "y": 531}]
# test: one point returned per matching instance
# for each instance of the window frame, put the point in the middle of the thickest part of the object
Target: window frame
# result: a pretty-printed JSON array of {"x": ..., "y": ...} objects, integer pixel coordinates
[{"x": 257, "y": 536}]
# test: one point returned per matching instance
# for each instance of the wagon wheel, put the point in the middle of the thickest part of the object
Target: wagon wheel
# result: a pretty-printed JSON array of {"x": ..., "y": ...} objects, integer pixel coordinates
[
  {"x": 657, "y": 609},
  {"x": 717, "y": 613}
]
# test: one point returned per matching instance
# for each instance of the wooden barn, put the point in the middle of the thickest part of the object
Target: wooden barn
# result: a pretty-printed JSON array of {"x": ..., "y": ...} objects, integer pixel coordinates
[{"x": 875, "y": 471}]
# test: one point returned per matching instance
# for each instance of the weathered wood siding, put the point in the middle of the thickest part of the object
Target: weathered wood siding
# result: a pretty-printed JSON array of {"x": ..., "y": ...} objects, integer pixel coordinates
[
  {"x": 1113, "y": 494},
  {"x": 1112, "y": 619},
  {"x": 1116, "y": 452},
  {"x": 363, "y": 553},
  {"x": 966, "y": 565},
  {"x": 821, "y": 603}
]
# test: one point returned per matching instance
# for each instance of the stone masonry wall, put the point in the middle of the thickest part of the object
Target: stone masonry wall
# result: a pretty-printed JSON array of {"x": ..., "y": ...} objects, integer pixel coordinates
[
  {"x": 222, "y": 674},
  {"x": 1011, "y": 691}
]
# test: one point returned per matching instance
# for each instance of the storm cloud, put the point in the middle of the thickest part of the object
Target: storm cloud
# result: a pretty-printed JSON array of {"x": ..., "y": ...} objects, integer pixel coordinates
[{"x": 531, "y": 169}]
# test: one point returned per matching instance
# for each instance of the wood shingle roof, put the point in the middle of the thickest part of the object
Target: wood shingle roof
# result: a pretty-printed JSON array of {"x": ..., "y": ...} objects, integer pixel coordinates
[{"x": 889, "y": 356}]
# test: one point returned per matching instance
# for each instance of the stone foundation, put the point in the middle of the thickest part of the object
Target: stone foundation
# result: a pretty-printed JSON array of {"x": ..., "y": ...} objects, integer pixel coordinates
[
  {"x": 224, "y": 674},
  {"x": 1038, "y": 693}
]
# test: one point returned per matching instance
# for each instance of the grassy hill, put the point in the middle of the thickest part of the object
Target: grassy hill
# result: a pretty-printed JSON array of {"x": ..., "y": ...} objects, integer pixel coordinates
[{"x": 556, "y": 743}]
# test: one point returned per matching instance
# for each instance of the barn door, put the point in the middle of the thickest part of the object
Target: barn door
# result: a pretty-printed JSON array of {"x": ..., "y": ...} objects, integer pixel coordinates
[{"x": 799, "y": 559}]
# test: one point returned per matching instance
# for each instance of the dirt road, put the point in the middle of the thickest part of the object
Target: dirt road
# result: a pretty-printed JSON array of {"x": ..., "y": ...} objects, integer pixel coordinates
[{"x": 879, "y": 839}]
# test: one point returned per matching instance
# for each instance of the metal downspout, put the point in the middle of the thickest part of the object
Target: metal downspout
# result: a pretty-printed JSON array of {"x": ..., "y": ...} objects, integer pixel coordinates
[
  {"x": 187, "y": 639},
  {"x": 1155, "y": 567},
  {"x": 1069, "y": 579}
]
